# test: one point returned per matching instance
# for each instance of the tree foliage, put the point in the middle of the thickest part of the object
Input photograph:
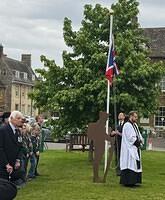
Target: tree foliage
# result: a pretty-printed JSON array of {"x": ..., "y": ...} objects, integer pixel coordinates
[{"x": 78, "y": 89}]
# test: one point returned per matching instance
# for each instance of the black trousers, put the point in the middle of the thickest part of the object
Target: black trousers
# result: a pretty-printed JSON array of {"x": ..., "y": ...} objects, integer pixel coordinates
[
  {"x": 117, "y": 153},
  {"x": 7, "y": 190}
]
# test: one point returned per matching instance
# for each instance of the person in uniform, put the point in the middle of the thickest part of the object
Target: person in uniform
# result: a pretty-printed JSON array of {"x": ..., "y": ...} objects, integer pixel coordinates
[{"x": 10, "y": 148}]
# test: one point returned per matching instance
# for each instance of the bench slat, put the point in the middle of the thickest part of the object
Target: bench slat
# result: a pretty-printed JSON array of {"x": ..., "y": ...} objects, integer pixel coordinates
[{"x": 79, "y": 139}]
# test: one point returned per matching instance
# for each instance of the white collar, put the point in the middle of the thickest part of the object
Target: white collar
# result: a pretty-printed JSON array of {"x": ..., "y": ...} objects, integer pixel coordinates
[
  {"x": 121, "y": 122},
  {"x": 12, "y": 126}
]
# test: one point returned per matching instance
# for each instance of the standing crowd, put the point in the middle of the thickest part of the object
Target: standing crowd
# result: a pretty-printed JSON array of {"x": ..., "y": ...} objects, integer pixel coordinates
[
  {"x": 19, "y": 152},
  {"x": 20, "y": 144}
]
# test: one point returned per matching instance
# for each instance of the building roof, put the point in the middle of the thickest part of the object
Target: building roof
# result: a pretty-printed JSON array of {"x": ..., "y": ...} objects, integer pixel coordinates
[
  {"x": 156, "y": 41},
  {"x": 17, "y": 66}
]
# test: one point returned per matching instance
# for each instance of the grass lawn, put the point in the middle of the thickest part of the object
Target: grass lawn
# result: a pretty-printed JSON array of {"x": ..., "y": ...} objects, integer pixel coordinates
[{"x": 68, "y": 176}]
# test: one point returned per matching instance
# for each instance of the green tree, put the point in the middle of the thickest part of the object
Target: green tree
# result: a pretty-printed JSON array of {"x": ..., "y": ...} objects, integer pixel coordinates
[{"x": 78, "y": 89}]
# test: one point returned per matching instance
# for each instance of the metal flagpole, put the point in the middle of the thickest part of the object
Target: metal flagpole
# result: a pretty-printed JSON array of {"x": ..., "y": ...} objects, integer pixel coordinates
[
  {"x": 115, "y": 109},
  {"x": 108, "y": 89},
  {"x": 114, "y": 95},
  {"x": 115, "y": 122}
]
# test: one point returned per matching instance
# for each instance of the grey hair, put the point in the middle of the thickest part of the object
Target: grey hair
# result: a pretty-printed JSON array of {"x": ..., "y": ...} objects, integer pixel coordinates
[
  {"x": 35, "y": 125},
  {"x": 14, "y": 114}
]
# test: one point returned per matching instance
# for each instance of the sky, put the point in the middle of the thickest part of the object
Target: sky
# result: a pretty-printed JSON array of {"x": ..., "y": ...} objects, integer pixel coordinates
[{"x": 36, "y": 26}]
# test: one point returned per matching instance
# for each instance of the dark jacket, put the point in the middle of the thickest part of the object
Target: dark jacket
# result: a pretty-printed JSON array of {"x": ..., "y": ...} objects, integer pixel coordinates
[
  {"x": 118, "y": 137},
  {"x": 10, "y": 147},
  {"x": 35, "y": 142}
]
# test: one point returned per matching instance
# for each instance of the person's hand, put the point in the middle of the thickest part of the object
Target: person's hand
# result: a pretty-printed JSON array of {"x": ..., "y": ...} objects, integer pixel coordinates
[
  {"x": 37, "y": 153},
  {"x": 118, "y": 133},
  {"x": 113, "y": 133},
  {"x": 9, "y": 168},
  {"x": 17, "y": 164},
  {"x": 31, "y": 153}
]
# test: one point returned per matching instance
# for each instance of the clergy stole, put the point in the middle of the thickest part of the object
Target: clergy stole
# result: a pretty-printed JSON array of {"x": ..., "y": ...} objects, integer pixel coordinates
[{"x": 138, "y": 147}]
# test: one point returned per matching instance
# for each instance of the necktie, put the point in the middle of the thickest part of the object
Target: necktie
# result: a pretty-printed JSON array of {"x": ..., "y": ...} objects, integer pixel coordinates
[{"x": 16, "y": 134}]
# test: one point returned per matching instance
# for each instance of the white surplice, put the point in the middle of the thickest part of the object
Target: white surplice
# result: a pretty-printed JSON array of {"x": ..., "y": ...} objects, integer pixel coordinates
[{"x": 129, "y": 153}]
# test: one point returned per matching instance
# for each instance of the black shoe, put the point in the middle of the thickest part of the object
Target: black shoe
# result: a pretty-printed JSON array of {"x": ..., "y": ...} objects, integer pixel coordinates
[
  {"x": 118, "y": 173},
  {"x": 37, "y": 174},
  {"x": 19, "y": 183},
  {"x": 29, "y": 178}
]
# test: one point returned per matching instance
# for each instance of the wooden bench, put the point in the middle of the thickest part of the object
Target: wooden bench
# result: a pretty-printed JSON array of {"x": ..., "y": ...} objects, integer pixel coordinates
[{"x": 79, "y": 142}]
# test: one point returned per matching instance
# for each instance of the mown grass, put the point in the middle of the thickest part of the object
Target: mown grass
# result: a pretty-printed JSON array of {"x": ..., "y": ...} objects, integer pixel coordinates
[{"x": 68, "y": 176}]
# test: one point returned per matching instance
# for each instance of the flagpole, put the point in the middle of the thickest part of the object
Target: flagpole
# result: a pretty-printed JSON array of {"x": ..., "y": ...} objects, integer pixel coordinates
[
  {"x": 115, "y": 109},
  {"x": 108, "y": 89}
]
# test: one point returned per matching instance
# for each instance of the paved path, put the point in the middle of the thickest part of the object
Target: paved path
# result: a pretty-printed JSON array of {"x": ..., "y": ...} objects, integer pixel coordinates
[
  {"x": 158, "y": 149},
  {"x": 158, "y": 144},
  {"x": 55, "y": 145}
]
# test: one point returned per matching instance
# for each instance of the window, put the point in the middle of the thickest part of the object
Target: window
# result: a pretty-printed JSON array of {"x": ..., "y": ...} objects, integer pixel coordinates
[
  {"x": 160, "y": 117},
  {"x": 2, "y": 92},
  {"x": 16, "y": 107},
  {"x": 23, "y": 108},
  {"x": 162, "y": 84},
  {"x": 23, "y": 92},
  {"x": 3, "y": 72},
  {"x": 29, "y": 110},
  {"x": 17, "y": 91},
  {"x": 33, "y": 77},
  {"x": 17, "y": 74},
  {"x": 29, "y": 91},
  {"x": 25, "y": 75}
]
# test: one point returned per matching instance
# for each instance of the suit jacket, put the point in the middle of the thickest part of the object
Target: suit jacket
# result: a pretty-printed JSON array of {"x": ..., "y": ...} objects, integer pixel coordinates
[
  {"x": 120, "y": 127},
  {"x": 10, "y": 147},
  {"x": 118, "y": 137}
]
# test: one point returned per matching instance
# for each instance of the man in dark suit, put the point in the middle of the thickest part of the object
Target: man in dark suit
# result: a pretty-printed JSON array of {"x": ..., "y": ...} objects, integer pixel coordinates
[
  {"x": 8, "y": 190},
  {"x": 118, "y": 136},
  {"x": 10, "y": 148},
  {"x": 1, "y": 117}
]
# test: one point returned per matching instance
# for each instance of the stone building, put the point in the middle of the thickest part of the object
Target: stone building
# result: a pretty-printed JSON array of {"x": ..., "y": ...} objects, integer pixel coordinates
[
  {"x": 156, "y": 43},
  {"x": 16, "y": 81}
]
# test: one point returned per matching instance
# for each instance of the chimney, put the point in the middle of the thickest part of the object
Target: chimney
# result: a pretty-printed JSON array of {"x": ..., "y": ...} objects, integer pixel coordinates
[
  {"x": 26, "y": 59},
  {"x": 1, "y": 50}
]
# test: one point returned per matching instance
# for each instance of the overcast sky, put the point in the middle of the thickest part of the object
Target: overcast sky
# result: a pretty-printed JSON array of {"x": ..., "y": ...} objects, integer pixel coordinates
[{"x": 36, "y": 26}]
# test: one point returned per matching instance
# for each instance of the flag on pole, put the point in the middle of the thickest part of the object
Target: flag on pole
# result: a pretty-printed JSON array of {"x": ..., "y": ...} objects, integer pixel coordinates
[{"x": 111, "y": 69}]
